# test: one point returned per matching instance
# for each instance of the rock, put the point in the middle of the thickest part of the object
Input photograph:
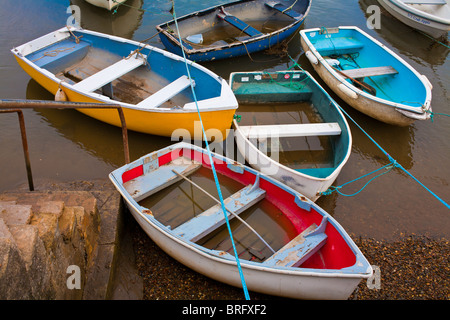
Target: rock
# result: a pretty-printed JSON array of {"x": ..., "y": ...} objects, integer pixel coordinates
[
  {"x": 34, "y": 255},
  {"x": 14, "y": 214},
  {"x": 51, "y": 238},
  {"x": 14, "y": 282}
]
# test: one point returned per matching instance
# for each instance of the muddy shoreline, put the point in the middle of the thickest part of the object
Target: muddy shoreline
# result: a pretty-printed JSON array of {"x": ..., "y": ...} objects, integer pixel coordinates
[{"x": 412, "y": 268}]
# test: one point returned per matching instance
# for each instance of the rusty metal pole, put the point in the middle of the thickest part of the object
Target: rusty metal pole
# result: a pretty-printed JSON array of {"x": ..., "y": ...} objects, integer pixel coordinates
[
  {"x": 47, "y": 104},
  {"x": 25, "y": 149},
  {"x": 24, "y": 144},
  {"x": 11, "y": 105},
  {"x": 124, "y": 135}
]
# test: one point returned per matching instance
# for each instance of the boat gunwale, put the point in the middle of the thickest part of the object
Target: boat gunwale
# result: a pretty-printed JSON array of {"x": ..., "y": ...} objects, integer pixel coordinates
[
  {"x": 207, "y": 49},
  {"x": 338, "y": 168},
  {"x": 402, "y": 108},
  {"x": 410, "y": 9},
  {"x": 360, "y": 269},
  {"x": 99, "y": 97}
]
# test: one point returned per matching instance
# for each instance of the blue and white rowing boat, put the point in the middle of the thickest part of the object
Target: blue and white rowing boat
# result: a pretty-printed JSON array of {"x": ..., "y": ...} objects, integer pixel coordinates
[
  {"x": 367, "y": 75},
  {"x": 287, "y": 245},
  {"x": 234, "y": 29}
]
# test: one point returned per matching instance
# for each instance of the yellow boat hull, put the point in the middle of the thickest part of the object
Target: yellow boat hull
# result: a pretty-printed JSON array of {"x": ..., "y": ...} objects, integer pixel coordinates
[{"x": 216, "y": 123}]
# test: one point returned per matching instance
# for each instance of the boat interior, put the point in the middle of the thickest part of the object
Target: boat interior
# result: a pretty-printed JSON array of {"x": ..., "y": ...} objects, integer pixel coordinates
[
  {"x": 236, "y": 22},
  {"x": 309, "y": 133},
  {"x": 265, "y": 231},
  {"x": 438, "y": 8},
  {"x": 143, "y": 78},
  {"x": 368, "y": 66}
]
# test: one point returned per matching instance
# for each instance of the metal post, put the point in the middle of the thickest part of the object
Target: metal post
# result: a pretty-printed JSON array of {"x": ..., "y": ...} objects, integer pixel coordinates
[
  {"x": 12, "y": 105},
  {"x": 24, "y": 144}
]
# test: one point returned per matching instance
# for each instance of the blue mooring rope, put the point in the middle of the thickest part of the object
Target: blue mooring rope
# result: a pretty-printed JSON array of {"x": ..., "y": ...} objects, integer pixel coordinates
[
  {"x": 244, "y": 286},
  {"x": 393, "y": 163}
]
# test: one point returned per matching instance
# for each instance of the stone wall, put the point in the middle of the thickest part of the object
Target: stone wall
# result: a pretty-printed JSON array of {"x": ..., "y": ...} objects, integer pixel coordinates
[{"x": 58, "y": 244}]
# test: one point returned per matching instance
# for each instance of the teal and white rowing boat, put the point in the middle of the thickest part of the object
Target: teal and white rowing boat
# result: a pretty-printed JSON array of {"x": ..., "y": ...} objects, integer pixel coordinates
[
  {"x": 291, "y": 129},
  {"x": 367, "y": 75}
]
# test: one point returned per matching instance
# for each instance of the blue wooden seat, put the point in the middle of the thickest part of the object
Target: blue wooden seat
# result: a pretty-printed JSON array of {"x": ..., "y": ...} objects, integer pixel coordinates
[
  {"x": 142, "y": 187},
  {"x": 211, "y": 219},
  {"x": 283, "y": 9},
  {"x": 59, "y": 54},
  {"x": 338, "y": 45},
  {"x": 299, "y": 249},
  {"x": 236, "y": 22}
]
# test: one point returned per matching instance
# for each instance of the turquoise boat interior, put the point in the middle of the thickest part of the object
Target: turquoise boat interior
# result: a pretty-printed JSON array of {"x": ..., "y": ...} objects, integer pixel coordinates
[{"x": 349, "y": 49}]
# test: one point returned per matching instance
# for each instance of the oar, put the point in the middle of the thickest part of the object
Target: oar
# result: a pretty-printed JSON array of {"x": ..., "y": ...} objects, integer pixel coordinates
[
  {"x": 234, "y": 214},
  {"x": 368, "y": 88}
]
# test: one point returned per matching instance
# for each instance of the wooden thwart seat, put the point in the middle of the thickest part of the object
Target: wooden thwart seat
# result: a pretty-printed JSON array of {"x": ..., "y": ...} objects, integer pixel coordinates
[
  {"x": 369, "y": 72},
  {"x": 110, "y": 73},
  {"x": 166, "y": 93},
  {"x": 283, "y": 9},
  {"x": 236, "y": 22},
  {"x": 139, "y": 186},
  {"x": 291, "y": 130},
  {"x": 211, "y": 219},
  {"x": 299, "y": 249}
]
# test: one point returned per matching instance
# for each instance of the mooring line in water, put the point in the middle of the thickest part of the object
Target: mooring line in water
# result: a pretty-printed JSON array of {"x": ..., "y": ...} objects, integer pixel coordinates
[
  {"x": 244, "y": 286},
  {"x": 435, "y": 40},
  {"x": 432, "y": 114},
  {"x": 393, "y": 162},
  {"x": 331, "y": 189}
]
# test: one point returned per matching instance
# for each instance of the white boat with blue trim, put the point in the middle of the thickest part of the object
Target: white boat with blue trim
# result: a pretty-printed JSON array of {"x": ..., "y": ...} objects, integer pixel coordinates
[
  {"x": 429, "y": 16},
  {"x": 287, "y": 245},
  {"x": 106, "y": 4},
  {"x": 291, "y": 129},
  {"x": 367, "y": 75}
]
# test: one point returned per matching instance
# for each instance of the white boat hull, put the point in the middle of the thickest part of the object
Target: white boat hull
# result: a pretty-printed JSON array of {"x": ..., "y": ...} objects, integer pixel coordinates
[
  {"x": 347, "y": 266},
  {"x": 309, "y": 186},
  {"x": 417, "y": 19},
  {"x": 107, "y": 4},
  {"x": 291, "y": 284}
]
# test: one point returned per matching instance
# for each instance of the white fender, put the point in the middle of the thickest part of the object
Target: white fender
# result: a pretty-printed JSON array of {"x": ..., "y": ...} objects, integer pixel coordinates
[
  {"x": 349, "y": 92},
  {"x": 311, "y": 57}
]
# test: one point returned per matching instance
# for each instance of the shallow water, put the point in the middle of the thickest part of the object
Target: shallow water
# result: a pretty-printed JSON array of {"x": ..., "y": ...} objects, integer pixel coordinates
[{"x": 66, "y": 145}]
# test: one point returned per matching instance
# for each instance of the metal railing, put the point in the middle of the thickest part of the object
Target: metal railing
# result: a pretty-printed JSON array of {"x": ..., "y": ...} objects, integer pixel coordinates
[{"x": 16, "y": 106}]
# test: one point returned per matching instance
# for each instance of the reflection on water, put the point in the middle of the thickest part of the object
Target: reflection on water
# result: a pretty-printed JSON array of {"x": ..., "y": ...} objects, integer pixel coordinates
[
  {"x": 122, "y": 23},
  {"x": 67, "y": 145}
]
